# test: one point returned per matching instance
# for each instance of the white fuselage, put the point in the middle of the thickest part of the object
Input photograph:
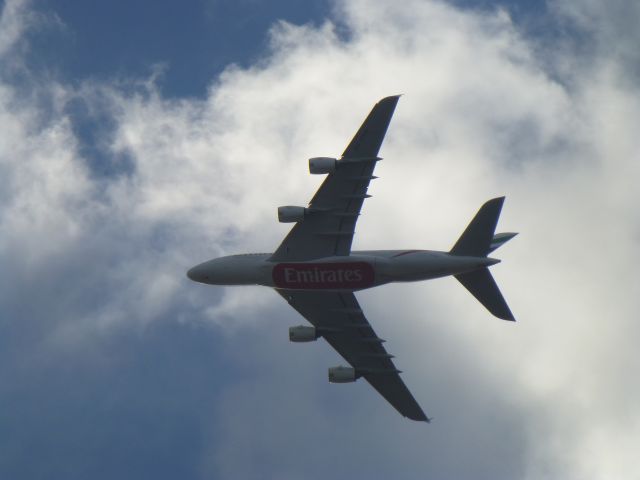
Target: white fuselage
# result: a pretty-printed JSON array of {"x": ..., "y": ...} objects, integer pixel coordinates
[{"x": 358, "y": 271}]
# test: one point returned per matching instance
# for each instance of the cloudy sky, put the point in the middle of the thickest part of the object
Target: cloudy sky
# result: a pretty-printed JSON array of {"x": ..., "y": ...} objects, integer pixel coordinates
[{"x": 139, "y": 137}]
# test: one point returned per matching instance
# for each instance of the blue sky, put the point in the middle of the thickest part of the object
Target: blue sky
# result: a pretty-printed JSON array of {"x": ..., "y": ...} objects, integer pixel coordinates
[
  {"x": 139, "y": 138},
  {"x": 194, "y": 39}
]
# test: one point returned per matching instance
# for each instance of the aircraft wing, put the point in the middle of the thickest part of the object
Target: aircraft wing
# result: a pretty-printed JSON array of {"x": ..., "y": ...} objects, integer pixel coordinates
[
  {"x": 333, "y": 211},
  {"x": 339, "y": 319}
]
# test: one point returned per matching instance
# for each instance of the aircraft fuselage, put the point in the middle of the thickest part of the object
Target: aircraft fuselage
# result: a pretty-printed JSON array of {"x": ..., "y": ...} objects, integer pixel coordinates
[{"x": 358, "y": 271}]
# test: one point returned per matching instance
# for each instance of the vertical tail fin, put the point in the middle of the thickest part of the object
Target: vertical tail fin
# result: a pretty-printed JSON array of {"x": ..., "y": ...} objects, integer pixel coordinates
[{"x": 476, "y": 240}]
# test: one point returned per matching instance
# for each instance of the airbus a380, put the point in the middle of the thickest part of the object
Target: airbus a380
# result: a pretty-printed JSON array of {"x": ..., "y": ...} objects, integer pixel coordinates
[{"x": 315, "y": 270}]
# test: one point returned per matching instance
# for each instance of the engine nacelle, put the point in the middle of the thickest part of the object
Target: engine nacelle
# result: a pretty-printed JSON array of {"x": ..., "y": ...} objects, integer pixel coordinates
[
  {"x": 342, "y": 374},
  {"x": 320, "y": 165},
  {"x": 290, "y": 214},
  {"x": 303, "y": 333}
]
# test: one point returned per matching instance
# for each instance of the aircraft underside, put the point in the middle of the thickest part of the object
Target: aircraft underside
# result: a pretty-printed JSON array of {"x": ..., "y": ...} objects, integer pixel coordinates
[{"x": 316, "y": 272}]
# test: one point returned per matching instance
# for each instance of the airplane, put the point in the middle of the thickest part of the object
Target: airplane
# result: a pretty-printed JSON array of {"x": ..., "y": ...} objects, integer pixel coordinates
[{"x": 316, "y": 272}]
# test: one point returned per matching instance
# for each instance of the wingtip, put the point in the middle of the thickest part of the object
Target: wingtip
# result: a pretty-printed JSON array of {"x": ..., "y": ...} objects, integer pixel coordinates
[
  {"x": 426, "y": 419},
  {"x": 508, "y": 316},
  {"x": 420, "y": 417},
  {"x": 496, "y": 200},
  {"x": 391, "y": 98}
]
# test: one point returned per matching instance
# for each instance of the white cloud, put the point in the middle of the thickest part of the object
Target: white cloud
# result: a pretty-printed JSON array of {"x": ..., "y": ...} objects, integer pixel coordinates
[
  {"x": 553, "y": 395},
  {"x": 13, "y": 22}
]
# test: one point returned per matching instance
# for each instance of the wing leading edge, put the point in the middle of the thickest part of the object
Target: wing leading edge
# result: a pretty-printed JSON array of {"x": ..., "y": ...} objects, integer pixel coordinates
[
  {"x": 334, "y": 209},
  {"x": 339, "y": 319}
]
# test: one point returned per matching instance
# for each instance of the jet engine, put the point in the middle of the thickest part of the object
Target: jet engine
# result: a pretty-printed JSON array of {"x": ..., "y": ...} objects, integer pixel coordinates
[
  {"x": 290, "y": 214},
  {"x": 320, "y": 165},
  {"x": 303, "y": 333},
  {"x": 342, "y": 374}
]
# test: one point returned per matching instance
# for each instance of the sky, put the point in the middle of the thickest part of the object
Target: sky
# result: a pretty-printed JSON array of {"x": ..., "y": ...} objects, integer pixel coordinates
[{"x": 140, "y": 138}]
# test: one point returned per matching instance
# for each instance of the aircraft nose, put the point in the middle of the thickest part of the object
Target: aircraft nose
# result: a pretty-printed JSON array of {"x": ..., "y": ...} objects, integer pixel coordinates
[{"x": 197, "y": 274}]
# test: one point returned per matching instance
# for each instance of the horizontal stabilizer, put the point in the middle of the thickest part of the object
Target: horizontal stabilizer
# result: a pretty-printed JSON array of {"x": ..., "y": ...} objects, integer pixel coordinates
[
  {"x": 481, "y": 285},
  {"x": 476, "y": 240},
  {"x": 500, "y": 239}
]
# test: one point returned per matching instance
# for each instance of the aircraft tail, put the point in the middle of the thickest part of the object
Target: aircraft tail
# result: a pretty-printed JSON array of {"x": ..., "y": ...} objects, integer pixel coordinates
[
  {"x": 500, "y": 239},
  {"x": 481, "y": 285},
  {"x": 478, "y": 240}
]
